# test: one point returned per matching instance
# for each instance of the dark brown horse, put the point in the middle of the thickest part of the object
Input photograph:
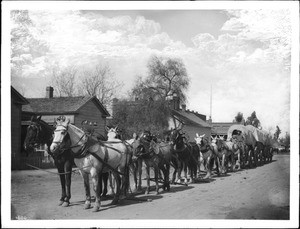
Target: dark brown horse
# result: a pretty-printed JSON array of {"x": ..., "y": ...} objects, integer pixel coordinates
[
  {"x": 185, "y": 158},
  {"x": 154, "y": 156},
  {"x": 40, "y": 133}
]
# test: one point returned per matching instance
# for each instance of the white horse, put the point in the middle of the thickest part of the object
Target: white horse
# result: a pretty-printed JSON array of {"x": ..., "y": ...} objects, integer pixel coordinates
[{"x": 92, "y": 158}]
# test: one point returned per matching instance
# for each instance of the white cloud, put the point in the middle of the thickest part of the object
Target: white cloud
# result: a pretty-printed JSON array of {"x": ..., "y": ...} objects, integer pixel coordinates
[{"x": 244, "y": 63}]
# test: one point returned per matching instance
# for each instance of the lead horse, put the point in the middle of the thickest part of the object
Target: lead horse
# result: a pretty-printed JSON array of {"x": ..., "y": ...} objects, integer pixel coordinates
[
  {"x": 40, "y": 133},
  {"x": 92, "y": 158}
]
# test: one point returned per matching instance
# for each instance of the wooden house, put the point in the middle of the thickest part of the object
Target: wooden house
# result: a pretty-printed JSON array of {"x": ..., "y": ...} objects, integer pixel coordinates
[
  {"x": 191, "y": 122},
  {"x": 76, "y": 109},
  {"x": 17, "y": 101}
]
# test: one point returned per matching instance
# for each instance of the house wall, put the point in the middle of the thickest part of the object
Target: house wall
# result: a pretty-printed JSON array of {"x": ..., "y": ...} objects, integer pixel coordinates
[
  {"x": 191, "y": 131},
  {"x": 91, "y": 113},
  {"x": 16, "y": 111}
]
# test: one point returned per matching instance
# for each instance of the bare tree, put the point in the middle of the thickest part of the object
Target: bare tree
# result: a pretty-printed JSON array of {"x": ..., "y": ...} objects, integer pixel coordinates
[
  {"x": 63, "y": 80},
  {"x": 100, "y": 82}
]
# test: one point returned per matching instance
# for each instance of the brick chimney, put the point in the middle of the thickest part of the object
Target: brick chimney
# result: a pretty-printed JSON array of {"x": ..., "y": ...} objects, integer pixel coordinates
[
  {"x": 175, "y": 102},
  {"x": 49, "y": 92}
]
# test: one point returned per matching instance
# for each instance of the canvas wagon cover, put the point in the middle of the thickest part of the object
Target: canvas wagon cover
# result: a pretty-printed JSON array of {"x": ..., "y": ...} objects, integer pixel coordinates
[
  {"x": 247, "y": 134},
  {"x": 252, "y": 134}
]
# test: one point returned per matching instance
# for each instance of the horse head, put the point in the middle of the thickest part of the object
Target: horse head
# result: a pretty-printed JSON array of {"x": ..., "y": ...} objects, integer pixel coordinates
[
  {"x": 137, "y": 148},
  {"x": 61, "y": 138},
  {"x": 33, "y": 135},
  {"x": 199, "y": 139},
  {"x": 112, "y": 132}
]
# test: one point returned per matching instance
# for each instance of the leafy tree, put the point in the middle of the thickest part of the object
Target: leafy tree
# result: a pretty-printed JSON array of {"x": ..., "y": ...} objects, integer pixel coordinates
[
  {"x": 277, "y": 132},
  {"x": 285, "y": 140},
  {"x": 253, "y": 120},
  {"x": 138, "y": 116},
  {"x": 239, "y": 118},
  {"x": 165, "y": 76},
  {"x": 100, "y": 82}
]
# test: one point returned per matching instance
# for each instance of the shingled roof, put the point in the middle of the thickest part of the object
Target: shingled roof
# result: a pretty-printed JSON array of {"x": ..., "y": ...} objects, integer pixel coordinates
[
  {"x": 60, "y": 105},
  {"x": 17, "y": 97},
  {"x": 190, "y": 118}
]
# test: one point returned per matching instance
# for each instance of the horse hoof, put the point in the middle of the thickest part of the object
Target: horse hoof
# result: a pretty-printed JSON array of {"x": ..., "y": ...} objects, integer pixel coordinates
[
  {"x": 65, "y": 204},
  {"x": 87, "y": 206},
  {"x": 114, "y": 202},
  {"x": 60, "y": 202},
  {"x": 95, "y": 208}
]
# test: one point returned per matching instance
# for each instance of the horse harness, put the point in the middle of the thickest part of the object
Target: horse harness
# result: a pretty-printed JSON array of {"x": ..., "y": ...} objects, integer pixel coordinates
[{"x": 85, "y": 150}]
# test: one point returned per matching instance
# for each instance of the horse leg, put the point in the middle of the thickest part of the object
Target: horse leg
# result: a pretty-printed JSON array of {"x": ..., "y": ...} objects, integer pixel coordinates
[
  {"x": 140, "y": 167},
  {"x": 118, "y": 183},
  {"x": 156, "y": 174},
  {"x": 60, "y": 169},
  {"x": 148, "y": 179},
  {"x": 86, "y": 182},
  {"x": 167, "y": 179},
  {"x": 223, "y": 169},
  {"x": 133, "y": 168},
  {"x": 124, "y": 181},
  {"x": 104, "y": 178},
  {"x": 96, "y": 186},
  {"x": 175, "y": 165},
  {"x": 68, "y": 170},
  {"x": 112, "y": 182},
  {"x": 208, "y": 166},
  {"x": 231, "y": 155},
  {"x": 179, "y": 170},
  {"x": 184, "y": 169}
]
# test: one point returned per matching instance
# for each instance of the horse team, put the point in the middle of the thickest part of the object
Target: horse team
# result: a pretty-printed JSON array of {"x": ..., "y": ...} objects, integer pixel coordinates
[{"x": 99, "y": 157}]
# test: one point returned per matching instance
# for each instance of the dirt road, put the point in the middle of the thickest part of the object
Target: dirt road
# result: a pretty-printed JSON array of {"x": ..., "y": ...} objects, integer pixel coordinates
[{"x": 260, "y": 193}]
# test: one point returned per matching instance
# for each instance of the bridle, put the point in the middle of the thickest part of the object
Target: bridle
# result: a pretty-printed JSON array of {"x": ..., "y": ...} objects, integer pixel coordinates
[
  {"x": 37, "y": 129},
  {"x": 59, "y": 143}
]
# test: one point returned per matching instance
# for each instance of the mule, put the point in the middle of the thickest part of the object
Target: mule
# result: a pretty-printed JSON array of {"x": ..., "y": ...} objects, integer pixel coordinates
[
  {"x": 137, "y": 163},
  {"x": 92, "y": 158},
  {"x": 224, "y": 153},
  {"x": 40, "y": 133},
  {"x": 207, "y": 157}
]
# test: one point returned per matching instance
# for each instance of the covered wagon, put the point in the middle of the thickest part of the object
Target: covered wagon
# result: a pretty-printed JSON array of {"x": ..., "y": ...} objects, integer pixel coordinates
[{"x": 257, "y": 144}]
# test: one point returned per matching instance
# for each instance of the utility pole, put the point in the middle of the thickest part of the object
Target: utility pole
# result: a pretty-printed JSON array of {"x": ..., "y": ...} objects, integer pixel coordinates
[{"x": 210, "y": 114}]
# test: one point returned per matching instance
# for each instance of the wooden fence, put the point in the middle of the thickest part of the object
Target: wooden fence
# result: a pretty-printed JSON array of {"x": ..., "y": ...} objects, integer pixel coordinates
[{"x": 37, "y": 159}]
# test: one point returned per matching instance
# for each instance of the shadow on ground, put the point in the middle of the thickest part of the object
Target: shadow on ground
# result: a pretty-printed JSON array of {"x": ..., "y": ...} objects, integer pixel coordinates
[{"x": 270, "y": 212}]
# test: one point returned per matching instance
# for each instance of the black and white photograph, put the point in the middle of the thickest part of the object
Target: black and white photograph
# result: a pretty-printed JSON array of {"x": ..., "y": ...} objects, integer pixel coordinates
[{"x": 150, "y": 114}]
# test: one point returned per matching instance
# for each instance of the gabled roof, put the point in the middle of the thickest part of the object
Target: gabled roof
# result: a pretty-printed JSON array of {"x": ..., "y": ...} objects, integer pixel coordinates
[
  {"x": 190, "y": 118},
  {"x": 17, "y": 97},
  {"x": 61, "y": 105}
]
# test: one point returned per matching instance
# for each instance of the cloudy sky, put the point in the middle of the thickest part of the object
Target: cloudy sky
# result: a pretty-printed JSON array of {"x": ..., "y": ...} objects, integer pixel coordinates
[{"x": 244, "y": 54}]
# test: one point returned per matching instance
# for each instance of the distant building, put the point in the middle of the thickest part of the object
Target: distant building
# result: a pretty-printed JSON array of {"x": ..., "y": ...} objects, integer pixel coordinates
[
  {"x": 191, "y": 122},
  {"x": 221, "y": 128}
]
